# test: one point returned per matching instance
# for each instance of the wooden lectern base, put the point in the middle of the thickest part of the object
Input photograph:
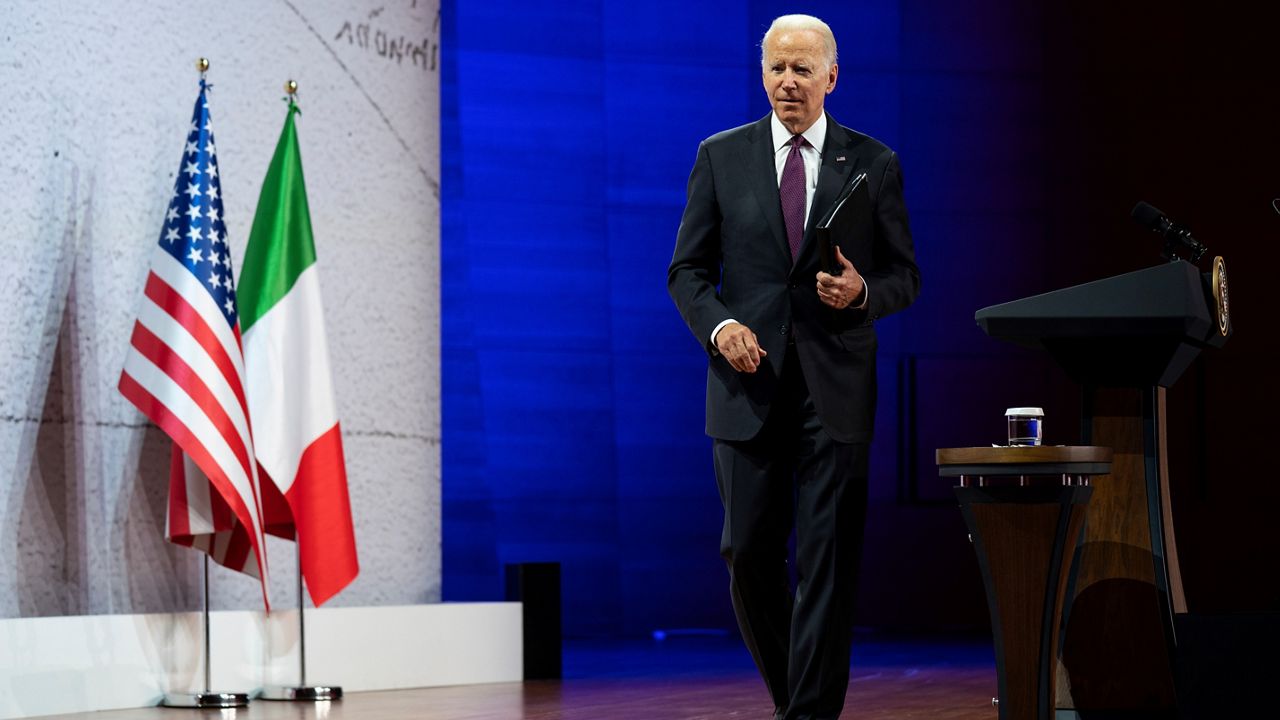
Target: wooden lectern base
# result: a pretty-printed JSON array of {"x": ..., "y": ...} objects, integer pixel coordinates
[{"x": 1117, "y": 640}]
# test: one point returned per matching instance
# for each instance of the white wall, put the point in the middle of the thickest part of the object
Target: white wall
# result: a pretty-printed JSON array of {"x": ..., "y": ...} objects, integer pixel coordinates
[{"x": 98, "y": 97}]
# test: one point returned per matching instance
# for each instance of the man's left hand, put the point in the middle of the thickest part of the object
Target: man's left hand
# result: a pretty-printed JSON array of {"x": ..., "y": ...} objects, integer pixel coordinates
[{"x": 840, "y": 291}]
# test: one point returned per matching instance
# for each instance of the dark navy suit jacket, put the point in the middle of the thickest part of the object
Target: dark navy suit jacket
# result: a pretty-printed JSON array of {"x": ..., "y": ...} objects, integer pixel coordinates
[{"x": 732, "y": 260}]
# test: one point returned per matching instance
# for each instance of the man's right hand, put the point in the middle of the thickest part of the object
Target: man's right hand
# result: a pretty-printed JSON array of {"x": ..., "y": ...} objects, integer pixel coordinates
[{"x": 740, "y": 347}]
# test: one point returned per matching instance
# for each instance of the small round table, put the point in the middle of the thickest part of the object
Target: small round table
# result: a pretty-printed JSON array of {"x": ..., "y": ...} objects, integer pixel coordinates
[{"x": 1025, "y": 508}]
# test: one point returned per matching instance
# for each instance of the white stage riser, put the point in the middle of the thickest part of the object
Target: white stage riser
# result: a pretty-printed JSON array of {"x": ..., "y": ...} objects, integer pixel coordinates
[{"x": 78, "y": 664}]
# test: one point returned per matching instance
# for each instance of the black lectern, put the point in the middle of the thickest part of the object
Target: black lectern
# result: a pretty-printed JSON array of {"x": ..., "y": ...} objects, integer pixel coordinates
[{"x": 1125, "y": 339}]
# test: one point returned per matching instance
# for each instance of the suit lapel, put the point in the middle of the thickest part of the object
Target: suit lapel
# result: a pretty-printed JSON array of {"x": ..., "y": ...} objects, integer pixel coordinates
[
  {"x": 763, "y": 176},
  {"x": 838, "y": 162}
]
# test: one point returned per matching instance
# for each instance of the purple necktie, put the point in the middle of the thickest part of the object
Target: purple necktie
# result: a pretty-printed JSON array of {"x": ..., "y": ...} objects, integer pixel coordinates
[{"x": 792, "y": 190}]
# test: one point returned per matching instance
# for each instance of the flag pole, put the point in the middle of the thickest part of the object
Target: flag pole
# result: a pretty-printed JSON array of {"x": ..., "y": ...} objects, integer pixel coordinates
[
  {"x": 302, "y": 691},
  {"x": 206, "y": 698},
  {"x": 302, "y": 625},
  {"x": 208, "y": 654}
]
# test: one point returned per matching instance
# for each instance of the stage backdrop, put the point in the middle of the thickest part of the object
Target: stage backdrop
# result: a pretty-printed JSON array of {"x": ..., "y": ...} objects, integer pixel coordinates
[
  {"x": 573, "y": 394},
  {"x": 98, "y": 98}
]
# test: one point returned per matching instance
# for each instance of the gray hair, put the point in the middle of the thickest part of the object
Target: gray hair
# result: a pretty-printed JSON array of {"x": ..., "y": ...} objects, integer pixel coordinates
[{"x": 792, "y": 23}]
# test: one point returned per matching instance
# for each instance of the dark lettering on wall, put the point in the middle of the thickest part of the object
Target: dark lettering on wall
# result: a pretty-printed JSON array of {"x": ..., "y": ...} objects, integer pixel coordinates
[{"x": 377, "y": 39}]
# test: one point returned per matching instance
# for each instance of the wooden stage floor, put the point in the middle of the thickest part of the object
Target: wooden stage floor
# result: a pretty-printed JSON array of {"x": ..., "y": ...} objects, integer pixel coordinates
[{"x": 680, "y": 679}]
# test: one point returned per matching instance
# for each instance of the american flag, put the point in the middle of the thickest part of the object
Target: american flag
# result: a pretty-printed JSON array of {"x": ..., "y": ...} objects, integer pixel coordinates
[{"x": 185, "y": 368}]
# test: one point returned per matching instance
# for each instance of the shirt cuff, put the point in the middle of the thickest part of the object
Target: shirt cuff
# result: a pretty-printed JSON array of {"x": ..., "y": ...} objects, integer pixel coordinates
[
  {"x": 866, "y": 295},
  {"x": 717, "y": 330}
]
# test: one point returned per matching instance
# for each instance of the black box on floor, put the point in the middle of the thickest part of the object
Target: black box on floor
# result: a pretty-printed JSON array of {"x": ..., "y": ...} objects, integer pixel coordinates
[{"x": 537, "y": 586}]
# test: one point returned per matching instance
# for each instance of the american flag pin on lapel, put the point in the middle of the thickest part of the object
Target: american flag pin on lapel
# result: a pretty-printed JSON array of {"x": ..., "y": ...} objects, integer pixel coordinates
[{"x": 840, "y": 159}]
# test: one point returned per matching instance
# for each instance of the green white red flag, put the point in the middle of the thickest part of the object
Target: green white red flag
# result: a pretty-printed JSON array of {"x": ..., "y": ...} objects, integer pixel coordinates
[{"x": 288, "y": 382}]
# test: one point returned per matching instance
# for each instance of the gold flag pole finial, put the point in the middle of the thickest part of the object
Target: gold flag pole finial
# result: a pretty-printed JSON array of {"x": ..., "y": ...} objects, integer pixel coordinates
[
  {"x": 291, "y": 87},
  {"x": 202, "y": 64}
]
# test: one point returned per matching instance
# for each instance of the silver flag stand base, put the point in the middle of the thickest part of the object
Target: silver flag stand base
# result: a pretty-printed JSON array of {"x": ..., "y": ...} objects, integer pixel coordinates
[
  {"x": 315, "y": 693},
  {"x": 206, "y": 699}
]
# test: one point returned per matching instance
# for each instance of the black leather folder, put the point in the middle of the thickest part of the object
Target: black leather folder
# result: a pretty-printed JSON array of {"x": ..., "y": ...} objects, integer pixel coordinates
[{"x": 849, "y": 215}]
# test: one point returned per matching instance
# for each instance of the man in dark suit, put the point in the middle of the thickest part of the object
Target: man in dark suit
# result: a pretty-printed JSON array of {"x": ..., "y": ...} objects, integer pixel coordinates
[{"x": 791, "y": 389}]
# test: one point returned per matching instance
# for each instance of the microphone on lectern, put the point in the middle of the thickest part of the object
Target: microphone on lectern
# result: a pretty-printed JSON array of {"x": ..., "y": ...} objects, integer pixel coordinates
[{"x": 1177, "y": 238}]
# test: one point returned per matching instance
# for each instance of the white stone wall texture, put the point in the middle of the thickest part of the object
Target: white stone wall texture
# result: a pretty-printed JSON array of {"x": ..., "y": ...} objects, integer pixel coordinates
[{"x": 98, "y": 98}]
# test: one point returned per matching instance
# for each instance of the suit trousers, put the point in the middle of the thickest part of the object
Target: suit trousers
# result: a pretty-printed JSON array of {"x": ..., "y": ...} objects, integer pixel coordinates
[{"x": 794, "y": 475}]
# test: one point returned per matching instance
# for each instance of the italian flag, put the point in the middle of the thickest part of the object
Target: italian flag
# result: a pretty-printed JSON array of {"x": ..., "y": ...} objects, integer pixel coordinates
[{"x": 288, "y": 385}]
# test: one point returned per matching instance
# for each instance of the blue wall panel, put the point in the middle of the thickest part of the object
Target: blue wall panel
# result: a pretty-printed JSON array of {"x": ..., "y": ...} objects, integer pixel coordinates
[{"x": 573, "y": 394}]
